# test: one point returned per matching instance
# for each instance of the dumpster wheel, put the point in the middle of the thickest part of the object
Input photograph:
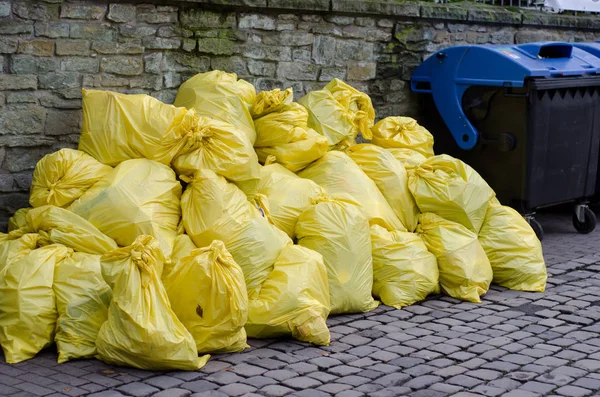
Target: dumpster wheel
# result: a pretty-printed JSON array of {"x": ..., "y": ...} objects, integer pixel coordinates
[
  {"x": 589, "y": 220},
  {"x": 537, "y": 228}
]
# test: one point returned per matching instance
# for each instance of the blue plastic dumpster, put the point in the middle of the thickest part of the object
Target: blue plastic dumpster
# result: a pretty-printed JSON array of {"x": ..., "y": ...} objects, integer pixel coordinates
[{"x": 524, "y": 116}]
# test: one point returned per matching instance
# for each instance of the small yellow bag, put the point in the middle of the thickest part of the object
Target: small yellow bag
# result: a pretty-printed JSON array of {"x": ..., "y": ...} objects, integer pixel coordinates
[
  {"x": 294, "y": 300},
  {"x": 13, "y": 246},
  {"x": 27, "y": 304},
  {"x": 295, "y": 156},
  {"x": 139, "y": 197},
  {"x": 142, "y": 331},
  {"x": 118, "y": 127},
  {"x": 513, "y": 249},
  {"x": 404, "y": 272},
  {"x": 338, "y": 229},
  {"x": 277, "y": 119},
  {"x": 207, "y": 293},
  {"x": 63, "y": 176},
  {"x": 82, "y": 300},
  {"x": 328, "y": 117},
  {"x": 403, "y": 132},
  {"x": 408, "y": 157},
  {"x": 391, "y": 178},
  {"x": 356, "y": 103},
  {"x": 18, "y": 220},
  {"x": 288, "y": 195},
  {"x": 337, "y": 173},
  {"x": 465, "y": 271},
  {"x": 214, "y": 209},
  {"x": 221, "y": 96},
  {"x": 57, "y": 225},
  {"x": 451, "y": 189}
]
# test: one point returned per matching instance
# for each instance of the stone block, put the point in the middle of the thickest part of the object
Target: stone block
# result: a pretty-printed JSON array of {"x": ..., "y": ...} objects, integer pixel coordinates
[
  {"x": 15, "y": 27},
  {"x": 79, "y": 64},
  {"x": 137, "y": 31},
  {"x": 117, "y": 48},
  {"x": 301, "y": 55},
  {"x": 445, "y": 12},
  {"x": 312, "y": 5},
  {"x": 122, "y": 65},
  {"x": 257, "y": 21},
  {"x": 97, "y": 32},
  {"x": 181, "y": 62},
  {"x": 261, "y": 68},
  {"x": 35, "y": 10},
  {"x": 52, "y": 30},
  {"x": 216, "y": 46},
  {"x": 8, "y": 45},
  {"x": 271, "y": 53},
  {"x": 173, "y": 393},
  {"x": 388, "y": 8},
  {"x": 297, "y": 71},
  {"x": 73, "y": 47},
  {"x": 82, "y": 11},
  {"x": 41, "y": 48},
  {"x": 188, "y": 45},
  {"x": 48, "y": 99},
  {"x": 361, "y": 71},
  {"x": 353, "y": 50},
  {"x": 59, "y": 80},
  {"x": 194, "y": 19},
  {"x": 232, "y": 64},
  {"x": 494, "y": 15},
  {"x": 14, "y": 82},
  {"x": 121, "y": 13},
  {"x": 324, "y": 50},
  {"x": 173, "y": 31},
  {"x": 21, "y": 97},
  {"x": 148, "y": 14},
  {"x": 4, "y": 8},
  {"x": 18, "y": 118},
  {"x": 62, "y": 122},
  {"x": 161, "y": 43}
]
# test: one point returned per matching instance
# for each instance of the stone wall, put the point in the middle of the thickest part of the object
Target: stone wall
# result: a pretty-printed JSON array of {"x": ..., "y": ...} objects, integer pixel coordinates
[{"x": 50, "y": 49}]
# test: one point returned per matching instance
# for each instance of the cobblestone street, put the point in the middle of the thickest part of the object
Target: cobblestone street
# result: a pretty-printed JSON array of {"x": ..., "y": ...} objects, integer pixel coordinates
[{"x": 513, "y": 344}]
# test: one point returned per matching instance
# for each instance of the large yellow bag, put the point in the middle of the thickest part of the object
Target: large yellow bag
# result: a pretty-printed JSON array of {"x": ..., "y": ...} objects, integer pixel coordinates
[
  {"x": 63, "y": 176},
  {"x": 182, "y": 247},
  {"x": 465, "y": 271},
  {"x": 403, "y": 132},
  {"x": 57, "y": 225},
  {"x": 391, "y": 178},
  {"x": 214, "y": 209},
  {"x": 513, "y": 249},
  {"x": 142, "y": 331},
  {"x": 408, "y": 157},
  {"x": 451, "y": 189},
  {"x": 328, "y": 117},
  {"x": 221, "y": 96},
  {"x": 82, "y": 300},
  {"x": 18, "y": 220},
  {"x": 404, "y": 272},
  {"x": 338, "y": 229},
  {"x": 13, "y": 246},
  {"x": 139, "y": 197},
  {"x": 277, "y": 118},
  {"x": 288, "y": 195},
  {"x": 357, "y": 104},
  {"x": 337, "y": 173},
  {"x": 208, "y": 294},
  {"x": 294, "y": 300},
  {"x": 295, "y": 156},
  {"x": 27, "y": 304},
  {"x": 118, "y": 127}
]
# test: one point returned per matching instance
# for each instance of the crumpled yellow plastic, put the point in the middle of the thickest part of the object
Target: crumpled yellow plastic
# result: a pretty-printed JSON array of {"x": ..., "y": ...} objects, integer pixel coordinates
[
  {"x": 270, "y": 102},
  {"x": 139, "y": 197},
  {"x": 403, "y": 132},
  {"x": 404, "y": 272},
  {"x": 63, "y": 176},
  {"x": 408, "y": 157},
  {"x": 182, "y": 247},
  {"x": 288, "y": 195},
  {"x": 118, "y": 127},
  {"x": 338, "y": 229},
  {"x": 220, "y": 147},
  {"x": 57, "y": 225},
  {"x": 465, "y": 270},
  {"x": 295, "y": 156},
  {"x": 328, "y": 117},
  {"x": 214, "y": 209},
  {"x": 221, "y": 96},
  {"x": 391, "y": 178},
  {"x": 142, "y": 331},
  {"x": 18, "y": 220},
  {"x": 208, "y": 294},
  {"x": 337, "y": 173},
  {"x": 82, "y": 300},
  {"x": 357, "y": 104},
  {"x": 513, "y": 249},
  {"x": 27, "y": 303},
  {"x": 14, "y": 246},
  {"x": 451, "y": 189},
  {"x": 294, "y": 300}
]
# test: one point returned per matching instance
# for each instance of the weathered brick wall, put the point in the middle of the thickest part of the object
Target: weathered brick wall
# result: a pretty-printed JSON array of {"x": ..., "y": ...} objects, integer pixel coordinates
[{"x": 50, "y": 49}]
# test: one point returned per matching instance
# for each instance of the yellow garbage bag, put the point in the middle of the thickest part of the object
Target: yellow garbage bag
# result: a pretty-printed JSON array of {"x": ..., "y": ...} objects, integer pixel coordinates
[
  {"x": 57, "y": 225},
  {"x": 404, "y": 272},
  {"x": 13, "y": 247},
  {"x": 142, "y": 331},
  {"x": 328, "y": 117},
  {"x": 208, "y": 294},
  {"x": 277, "y": 119},
  {"x": 288, "y": 195},
  {"x": 221, "y": 96},
  {"x": 221, "y": 147},
  {"x": 451, "y": 189},
  {"x": 27, "y": 304},
  {"x": 294, "y": 300},
  {"x": 139, "y": 197},
  {"x": 408, "y": 157},
  {"x": 295, "y": 156},
  {"x": 465, "y": 270},
  {"x": 214, "y": 209},
  {"x": 391, "y": 178},
  {"x": 338, "y": 229},
  {"x": 182, "y": 247},
  {"x": 118, "y": 127},
  {"x": 513, "y": 249},
  {"x": 18, "y": 220},
  {"x": 357, "y": 103},
  {"x": 337, "y": 173},
  {"x": 82, "y": 300},
  {"x": 63, "y": 176},
  {"x": 270, "y": 102},
  {"x": 403, "y": 132}
]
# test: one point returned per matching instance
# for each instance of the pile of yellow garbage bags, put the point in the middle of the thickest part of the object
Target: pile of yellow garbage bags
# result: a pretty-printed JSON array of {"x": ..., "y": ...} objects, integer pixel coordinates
[{"x": 178, "y": 231}]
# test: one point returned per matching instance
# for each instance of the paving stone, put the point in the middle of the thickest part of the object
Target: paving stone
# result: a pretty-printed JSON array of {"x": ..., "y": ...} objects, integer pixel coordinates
[
  {"x": 588, "y": 365},
  {"x": 276, "y": 390},
  {"x": 419, "y": 370},
  {"x": 163, "y": 382},
  {"x": 237, "y": 389},
  {"x": 465, "y": 381},
  {"x": 302, "y": 368},
  {"x": 334, "y": 388},
  {"x": 323, "y": 377},
  {"x": 484, "y": 374},
  {"x": 422, "y": 382},
  {"x": 391, "y": 392},
  {"x": 559, "y": 380},
  {"x": 199, "y": 386},
  {"x": 538, "y": 387},
  {"x": 259, "y": 381},
  {"x": 325, "y": 362},
  {"x": 302, "y": 382},
  {"x": 518, "y": 359},
  {"x": 573, "y": 391},
  {"x": 588, "y": 383},
  {"x": 505, "y": 383},
  {"x": 248, "y": 370},
  {"x": 350, "y": 393},
  {"x": 490, "y": 391},
  {"x": 353, "y": 380},
  {"x": 310, "y": 393},
  {"x": 173, "y": 393},
  {"x": 520, "y": 393},
  {"x": 396, "y": 379}
]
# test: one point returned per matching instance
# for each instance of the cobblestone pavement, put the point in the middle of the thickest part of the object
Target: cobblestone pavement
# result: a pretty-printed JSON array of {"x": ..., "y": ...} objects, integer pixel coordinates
[{"x": 513, "y": 344}]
